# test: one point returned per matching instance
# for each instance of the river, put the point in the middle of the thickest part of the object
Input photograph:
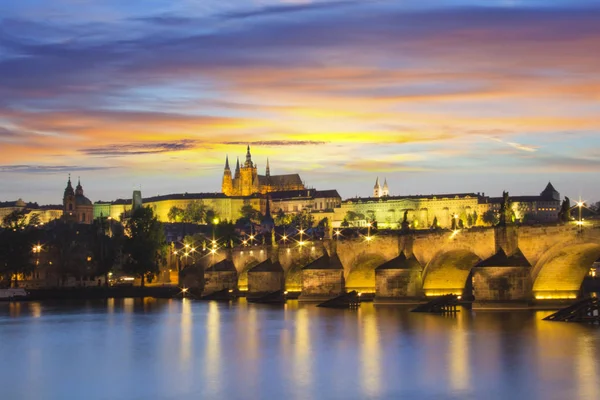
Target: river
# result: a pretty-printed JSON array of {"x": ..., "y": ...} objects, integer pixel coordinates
[{"x": 173, "y": 349}]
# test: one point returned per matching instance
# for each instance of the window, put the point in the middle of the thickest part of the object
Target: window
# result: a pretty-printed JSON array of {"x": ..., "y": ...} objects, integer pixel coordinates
[{"x": 70, "y": 207}]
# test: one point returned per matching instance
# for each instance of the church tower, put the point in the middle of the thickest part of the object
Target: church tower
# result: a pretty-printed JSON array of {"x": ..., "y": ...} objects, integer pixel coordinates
[
  {"x": 377, "y": 189},
  {"x": 227, "y": 185},
  {"x": 69, "y": 199},
  {"x": 385, "y": 192},
  {"x": 248, "y": 176}
]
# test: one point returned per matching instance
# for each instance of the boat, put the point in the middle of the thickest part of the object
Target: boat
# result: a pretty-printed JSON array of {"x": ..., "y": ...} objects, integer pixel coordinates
[{"x": 13, "y": 294}]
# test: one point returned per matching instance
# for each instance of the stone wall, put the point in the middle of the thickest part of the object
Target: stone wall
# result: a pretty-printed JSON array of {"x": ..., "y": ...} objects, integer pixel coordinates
[
  {"x": 501, "y": 283},
  {"x": 215, "y": 281},
  {"x": 322, "y": 282},
  {"x": 264, "y": 282},
  {"x": 397, "y": 283}
]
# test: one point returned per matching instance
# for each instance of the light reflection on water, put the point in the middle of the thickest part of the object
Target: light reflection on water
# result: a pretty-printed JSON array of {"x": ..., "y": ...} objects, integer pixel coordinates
[{"x": 168, "y": 349}]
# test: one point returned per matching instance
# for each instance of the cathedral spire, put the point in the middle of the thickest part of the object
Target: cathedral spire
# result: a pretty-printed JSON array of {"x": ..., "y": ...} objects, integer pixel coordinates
[
  {"x": 248, "y": 157},
  {"x": 237, "y": 168},
  {"x": 227, "y": 163},
  {"x": 268, "y": 172}
]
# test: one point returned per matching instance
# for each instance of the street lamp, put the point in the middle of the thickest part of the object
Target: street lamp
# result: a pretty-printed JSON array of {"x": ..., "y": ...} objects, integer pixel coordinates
[{"x": 580, "y": 221}]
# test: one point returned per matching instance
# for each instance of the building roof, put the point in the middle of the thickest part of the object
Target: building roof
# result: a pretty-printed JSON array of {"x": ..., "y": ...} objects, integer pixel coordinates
[
  {"x": 401, "y": 262},
  {"x": 222, "y": 266},
  {"x": 18, "y": 203},
  {"x": 326, "y": 194},
  {"x": 280, "y": 180},
  {"x": 450, "y": 196},
  {"x": 81, "y": 200},
  {"x": 550, "y": 193},
  {"x": 500, "y": 259},
  {"x": 267, "y": 266},
  {"x": 326, "y": 262}
]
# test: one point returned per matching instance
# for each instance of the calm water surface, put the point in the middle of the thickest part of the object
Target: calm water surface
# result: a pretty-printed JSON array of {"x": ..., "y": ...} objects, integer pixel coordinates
[{"x": 173, "y": 349}]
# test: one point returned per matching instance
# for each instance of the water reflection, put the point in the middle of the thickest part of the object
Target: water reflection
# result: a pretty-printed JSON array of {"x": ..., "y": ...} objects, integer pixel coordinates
[
  {"x": 190, "y": 349},
  {"x": 459, "y": 355},
  {"x": 586, "y": 368},
  {"x": 185, "y": 342},
  {"x": 212, "y": 367},
  {"x": 302, "y": 354},
  {"x": 370, "y": 351}
]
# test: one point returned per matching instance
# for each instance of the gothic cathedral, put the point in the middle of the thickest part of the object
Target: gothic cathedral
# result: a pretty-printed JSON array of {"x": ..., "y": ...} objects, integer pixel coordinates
[{"x": 246, "y": 181}]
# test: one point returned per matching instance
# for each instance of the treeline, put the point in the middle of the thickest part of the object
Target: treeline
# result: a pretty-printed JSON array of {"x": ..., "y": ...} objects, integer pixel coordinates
[{"x": 61, "y": 250}]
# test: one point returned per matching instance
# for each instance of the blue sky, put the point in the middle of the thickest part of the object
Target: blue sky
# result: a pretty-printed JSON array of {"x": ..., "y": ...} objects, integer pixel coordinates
[{"x": 453, "y": 96}]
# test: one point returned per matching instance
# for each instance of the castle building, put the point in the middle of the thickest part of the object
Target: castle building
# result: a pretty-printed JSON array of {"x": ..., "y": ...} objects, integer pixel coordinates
[
  {"x": 45, "y": 213},
  {"x": 424, "y": 211},
  {"x": 77, "y": 207},
  {"x": 246, "y": 181}
]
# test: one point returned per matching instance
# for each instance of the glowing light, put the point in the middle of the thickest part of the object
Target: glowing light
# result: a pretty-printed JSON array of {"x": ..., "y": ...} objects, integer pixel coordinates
[
  {"x": 301, "y": 231},
  {"x": 251, "y": 237},
  {"x": 184, "y": 290},
  {"x": 286, "y": 292},
  {"x": 175, "y": 252},
  {"x": 301, "y": 243},
  {"x": 580, "y": 204},
  {"x": 337, "y": 232},
  {"x": 369, "y": 238},
  {"x": 187, "y": 245},
  {"x": 213, "y": 251},
  {"x": 284, "y": 237},
  {"x": 245, "y": 242},
  {"x": 216, "y": 221}
]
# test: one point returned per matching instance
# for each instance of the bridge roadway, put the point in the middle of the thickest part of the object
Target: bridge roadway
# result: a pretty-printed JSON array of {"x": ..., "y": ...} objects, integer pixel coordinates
[{"x": 499, "y": 263}]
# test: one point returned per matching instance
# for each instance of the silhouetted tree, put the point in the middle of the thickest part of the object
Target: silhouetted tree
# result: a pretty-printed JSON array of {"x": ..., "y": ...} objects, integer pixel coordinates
[
  {"x": 564, "y": 215},
  {"x": 145, "y": 245}
]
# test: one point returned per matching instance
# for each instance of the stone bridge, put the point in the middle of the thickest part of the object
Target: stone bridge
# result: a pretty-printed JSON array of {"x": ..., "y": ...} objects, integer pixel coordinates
[{"x": 500, "y": 263}]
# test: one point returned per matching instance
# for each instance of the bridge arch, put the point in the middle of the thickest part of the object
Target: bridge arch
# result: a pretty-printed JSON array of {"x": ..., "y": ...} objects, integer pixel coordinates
[
  {"x": 448, "y": 271},
  {"x": 361, "y": 275},
  {"x": 560, "y": 271},
  {"x": 249, "y": 263}
]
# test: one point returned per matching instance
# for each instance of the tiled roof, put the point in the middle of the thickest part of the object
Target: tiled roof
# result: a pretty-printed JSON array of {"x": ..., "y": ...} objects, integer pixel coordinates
[{"x": 280, "y": 180}]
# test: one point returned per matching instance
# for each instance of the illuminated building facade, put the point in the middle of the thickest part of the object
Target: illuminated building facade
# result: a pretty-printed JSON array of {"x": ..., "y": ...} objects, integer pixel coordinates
[
  {"x": 423, "y": 211},
  {"x": 45, "y": 213},
  {"x": 245, "y": 181}
]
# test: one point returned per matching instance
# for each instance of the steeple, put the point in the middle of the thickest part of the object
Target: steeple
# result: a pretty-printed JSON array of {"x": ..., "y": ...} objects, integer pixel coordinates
[
  {"x": 377, "y": 188},
  {"x": 227, "y": 163},
  {"x": 237, "y": 169},
  {"x": 248, "y": 162},
  {"x": 69, "y": 189},
  {"x": 79, "y": 188},
  {"x": 386, "y": 190},
  {"x": 268, "y": 172}
]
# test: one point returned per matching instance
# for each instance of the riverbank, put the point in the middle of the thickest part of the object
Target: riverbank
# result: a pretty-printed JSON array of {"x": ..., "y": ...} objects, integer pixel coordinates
[{"x": 102, "y": 292}]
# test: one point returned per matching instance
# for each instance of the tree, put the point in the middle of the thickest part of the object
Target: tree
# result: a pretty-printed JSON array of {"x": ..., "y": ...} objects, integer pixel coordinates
[
  {"x": 435, "y": 224},
  {"x": 564, "y": 215},
  {"x": 145, "y": 245},
  {"x": 15, "y": 220},
  {"x": 303, "y": 220},
  {"x": 105, "y": 249},
  {"x": 283, "y": 219},
  {"x": 490, "y": 217},
  {"x": 469, "y": 220},
  {"x": 475, "y": 218},
  {"x": 250, "y": 214},
  {"x": 195, "y": 212},
  {"x": 210, "y": 216},
  {"x": 67, "y": 248},
  {"x": 175, "y": 214},
  {"x": 16, "y": 245}
]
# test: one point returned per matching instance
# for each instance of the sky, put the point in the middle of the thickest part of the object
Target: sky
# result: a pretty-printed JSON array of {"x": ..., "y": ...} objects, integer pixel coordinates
[{"x": 434, "y": 96}]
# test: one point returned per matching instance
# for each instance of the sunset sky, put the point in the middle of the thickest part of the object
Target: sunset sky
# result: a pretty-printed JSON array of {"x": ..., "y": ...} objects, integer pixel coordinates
[{"x": 437, "y": 96}]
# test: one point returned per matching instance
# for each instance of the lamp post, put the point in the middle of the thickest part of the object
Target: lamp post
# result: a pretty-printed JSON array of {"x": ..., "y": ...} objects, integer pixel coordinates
[{"x": 580, "y": 221}]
